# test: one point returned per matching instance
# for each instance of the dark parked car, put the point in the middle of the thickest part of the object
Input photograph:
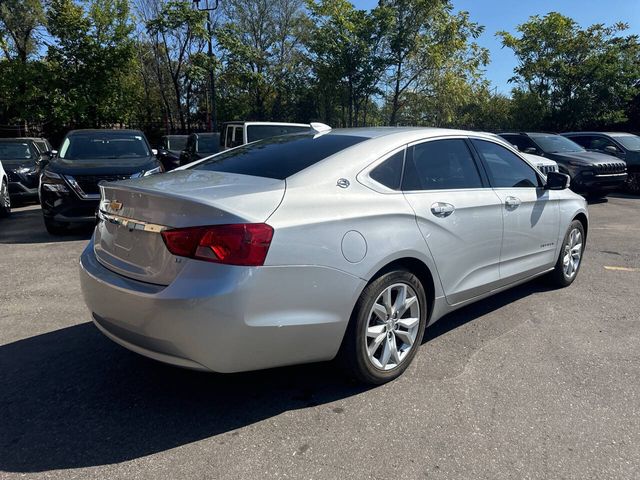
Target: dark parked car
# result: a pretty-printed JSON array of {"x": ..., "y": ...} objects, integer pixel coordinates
[
  {"x": 170, "y": 150},
  {"x": 200, "y": 145},
  {"x": 69, "y": 188},
  {"x": 624, "y": 146},
  {"x": 22, "y": 159},
  {"x": 593, "y": 174}
]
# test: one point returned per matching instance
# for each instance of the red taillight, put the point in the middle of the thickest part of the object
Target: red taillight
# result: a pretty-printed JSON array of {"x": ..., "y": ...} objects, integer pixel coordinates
[{"x": 238, "y": 244}]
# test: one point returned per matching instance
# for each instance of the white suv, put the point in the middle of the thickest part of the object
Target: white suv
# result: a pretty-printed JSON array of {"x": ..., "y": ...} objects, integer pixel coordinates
[
  {"x": 5, "y": 201},
  {"x": 239, "y": 133}
]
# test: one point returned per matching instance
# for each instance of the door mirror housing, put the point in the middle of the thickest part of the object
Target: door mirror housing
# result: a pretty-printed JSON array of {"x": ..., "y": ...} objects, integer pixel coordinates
[
  {"x": 611, "y": 149},
  {"x": 557, "y": 181}
]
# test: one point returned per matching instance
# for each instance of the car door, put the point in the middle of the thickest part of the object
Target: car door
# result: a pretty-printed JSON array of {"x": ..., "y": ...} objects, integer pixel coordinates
[
  {"x": 458, "y": 214},
  {"x": 530, "y": 213}
]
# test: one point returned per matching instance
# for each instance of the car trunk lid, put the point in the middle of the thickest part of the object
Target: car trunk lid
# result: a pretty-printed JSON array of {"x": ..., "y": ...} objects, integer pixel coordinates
[{"x": 134, "y": 212}]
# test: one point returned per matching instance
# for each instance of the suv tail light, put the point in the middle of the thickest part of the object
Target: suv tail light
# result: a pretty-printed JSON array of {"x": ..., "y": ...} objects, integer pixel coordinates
[{"x": 238, "y": 244}]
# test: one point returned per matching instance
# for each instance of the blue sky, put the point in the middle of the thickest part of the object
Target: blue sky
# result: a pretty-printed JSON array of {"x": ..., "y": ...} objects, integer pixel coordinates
[{"x": 498, "y": 15}]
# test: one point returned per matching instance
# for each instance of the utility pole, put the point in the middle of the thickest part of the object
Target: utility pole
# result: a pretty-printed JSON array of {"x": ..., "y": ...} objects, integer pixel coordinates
[{"x": 209, "y": 6}]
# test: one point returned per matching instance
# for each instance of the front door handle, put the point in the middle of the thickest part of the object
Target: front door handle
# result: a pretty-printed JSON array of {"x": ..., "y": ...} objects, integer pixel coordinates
[
  {"x": 442, "y": 210},
  {"x": 512, "y": 203}
]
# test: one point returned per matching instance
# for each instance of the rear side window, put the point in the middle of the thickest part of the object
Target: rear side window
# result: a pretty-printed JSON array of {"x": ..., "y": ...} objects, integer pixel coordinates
[
  {"x": 505, "y": 169},
  {"x": 389, "y": 172},
  {"x": 439, "y": 165},
  {"x": 278, "y": 157}
]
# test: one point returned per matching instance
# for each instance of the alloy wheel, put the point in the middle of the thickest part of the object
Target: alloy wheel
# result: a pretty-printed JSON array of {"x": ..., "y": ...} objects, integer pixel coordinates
[
  {"x": 572, "y": 253},
  {"x": 392, "y": 326},
  {"x": 5, "y": 199}
]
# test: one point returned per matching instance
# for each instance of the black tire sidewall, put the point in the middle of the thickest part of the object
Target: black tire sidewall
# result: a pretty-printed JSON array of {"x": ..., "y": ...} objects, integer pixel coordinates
[{"x": 360, "y": 363}]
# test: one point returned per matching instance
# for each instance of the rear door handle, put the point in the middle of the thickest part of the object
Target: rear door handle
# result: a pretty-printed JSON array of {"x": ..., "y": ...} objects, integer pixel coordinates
[
  {"x": 512, "y": 202},
  {"x": 442, "y": 210}
]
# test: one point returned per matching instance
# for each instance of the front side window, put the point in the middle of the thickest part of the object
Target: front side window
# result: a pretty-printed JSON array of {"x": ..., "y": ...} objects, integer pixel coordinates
[
  {"x": 521, "y": 141},
  {"x": 209, "y": 144},
  {"x": 104, "y": 144},
  {"x": 278, "y": 157},
  {"x": 439, "y": 165},
  {"x": 505, "y": 169},
  {"x": 389, "y": 172}
]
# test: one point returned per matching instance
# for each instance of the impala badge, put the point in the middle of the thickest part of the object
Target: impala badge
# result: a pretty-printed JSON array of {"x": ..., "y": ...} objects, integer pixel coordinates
[{"x": 115, "y": 205}]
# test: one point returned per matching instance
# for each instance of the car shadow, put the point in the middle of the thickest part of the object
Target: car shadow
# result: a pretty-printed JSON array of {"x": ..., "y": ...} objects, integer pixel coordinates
[
  {"x": 26, "y": 225},
  {"x": 596, "y": 201},
  {"x": 71, "y": 398},
  {"x": 483, "y": 307}
]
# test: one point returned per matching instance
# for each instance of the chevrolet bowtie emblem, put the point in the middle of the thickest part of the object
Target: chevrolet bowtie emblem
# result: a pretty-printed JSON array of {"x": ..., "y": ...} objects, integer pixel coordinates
[{"x": 115, "y": 205}]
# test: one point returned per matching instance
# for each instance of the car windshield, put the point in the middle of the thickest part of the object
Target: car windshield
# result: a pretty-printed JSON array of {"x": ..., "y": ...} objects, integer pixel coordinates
[
  {"x": 259, "y": 132},
  {"x": 209, "y": 144},
  {"x": 278, "y": 157},
  {"x": 15, "y": 151},
  {"x": 176, "y": 143},
  {"x": 111, "y": 144},
  {"x": 630, "y": 142},
  {"x": 556, "y": 144}
]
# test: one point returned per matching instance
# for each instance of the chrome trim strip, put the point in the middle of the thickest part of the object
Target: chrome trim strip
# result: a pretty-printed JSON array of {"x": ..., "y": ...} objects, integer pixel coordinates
[
  {"x": 76, "y": 188},
  {"x": 610, "y": 174},
  {"x": 130, "y": 223}
]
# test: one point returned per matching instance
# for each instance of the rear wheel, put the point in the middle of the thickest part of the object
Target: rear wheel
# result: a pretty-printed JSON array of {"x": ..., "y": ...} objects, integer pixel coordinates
[
  {"x": 570, "y": 259},
  {"x": 55, "y": 228},
  {"x": 5, "y": 200},
  {"x": 386, "y": 328}
]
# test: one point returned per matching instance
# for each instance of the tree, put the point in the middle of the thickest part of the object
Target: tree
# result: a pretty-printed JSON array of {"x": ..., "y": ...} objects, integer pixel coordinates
[
  {"x": 575, "y": 78},
  {"x": 424, "y": 41},
  {"x": 176, "y": 31},
  {"x": 347, "y": 60}
]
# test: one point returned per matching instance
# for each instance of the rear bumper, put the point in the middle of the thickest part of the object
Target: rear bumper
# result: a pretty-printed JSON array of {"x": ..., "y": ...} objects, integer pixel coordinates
[{"x": 224, "y": 318}]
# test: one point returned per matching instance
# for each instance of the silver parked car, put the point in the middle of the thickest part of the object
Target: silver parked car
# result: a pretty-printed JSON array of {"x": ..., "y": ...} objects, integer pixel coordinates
[{"x": 308, "y": 246}]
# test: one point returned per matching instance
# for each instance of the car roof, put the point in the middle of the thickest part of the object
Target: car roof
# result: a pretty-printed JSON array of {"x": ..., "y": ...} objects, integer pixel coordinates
[
  {"x": 101, "y": 130},
  {"x": 22, "y": 139},
  {"x": 206, "y": 134},
  {"x": 609, "y": 134}
]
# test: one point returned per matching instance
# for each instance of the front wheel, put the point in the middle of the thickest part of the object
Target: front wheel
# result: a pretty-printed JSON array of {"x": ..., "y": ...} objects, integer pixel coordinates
[
  {"x": 5, "y": 200},
  {"x": 570, "y": 259},
  {"x": 386, "y": 328},
  {"x": 633, "y": 183}
]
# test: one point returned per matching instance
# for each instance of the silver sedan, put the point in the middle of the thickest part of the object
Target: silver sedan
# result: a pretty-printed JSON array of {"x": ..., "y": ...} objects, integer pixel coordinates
[{"x": 312, "y": 246}]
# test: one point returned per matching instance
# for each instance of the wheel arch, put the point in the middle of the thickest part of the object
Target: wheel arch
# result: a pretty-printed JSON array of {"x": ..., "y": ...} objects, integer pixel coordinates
[
  {"x": 420, "y": 270},
  {"x": 582, "y": 218}
]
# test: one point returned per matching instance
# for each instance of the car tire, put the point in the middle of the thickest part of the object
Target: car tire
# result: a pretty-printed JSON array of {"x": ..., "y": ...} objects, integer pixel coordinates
[
  {"x": 633, "y": 183},
  {"x": 55, "y": 228},
  {"x": 570, "y": 258},
  {"x": 5, "y": 200},
  {"x": 371, "y": 350}
]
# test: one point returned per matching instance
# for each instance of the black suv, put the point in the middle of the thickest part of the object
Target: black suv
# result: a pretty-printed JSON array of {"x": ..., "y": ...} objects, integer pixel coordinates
[
  {"x": 200, "y": 145},
  {"x": 170, "y": 150},
  {"x": 593, "y": 174},
  {"x": 22, "y": 159},
  {"x": 624, "y": 146},
  {"x": 70, "y": 182}
]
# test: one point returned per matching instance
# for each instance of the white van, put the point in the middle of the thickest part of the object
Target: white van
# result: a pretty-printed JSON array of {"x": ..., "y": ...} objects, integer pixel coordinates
[{"x": 239, "y": 133}]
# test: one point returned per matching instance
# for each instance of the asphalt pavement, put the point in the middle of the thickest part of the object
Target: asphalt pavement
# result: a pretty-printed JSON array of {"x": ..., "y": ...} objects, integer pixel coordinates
[{"x": 532, "y": 383}]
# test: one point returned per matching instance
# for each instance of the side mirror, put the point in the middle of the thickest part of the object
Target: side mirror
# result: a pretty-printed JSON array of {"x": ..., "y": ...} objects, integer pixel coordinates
[
  {"x": 530, "y": 150},
  {"x": 611, "y": 149},
  {"x": 557, "y": 181},
  {"x": 154, "y": 151}
]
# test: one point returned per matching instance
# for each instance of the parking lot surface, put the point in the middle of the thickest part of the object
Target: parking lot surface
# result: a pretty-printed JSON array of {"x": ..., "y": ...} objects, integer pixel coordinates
[{"x": 531, "y": 383}]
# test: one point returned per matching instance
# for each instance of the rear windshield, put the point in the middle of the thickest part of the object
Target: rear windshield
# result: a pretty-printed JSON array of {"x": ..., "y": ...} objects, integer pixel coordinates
[
  {"x": 109, "y": 144},
  {"x": 278, "y": 157},
  {"x": 259, "y": 132},
  {"x": 15, "y": 151},
  {"x": 209, "y": 144},
  {"x": 176, "y": 143},
  {"x": 556, "y": 143}
]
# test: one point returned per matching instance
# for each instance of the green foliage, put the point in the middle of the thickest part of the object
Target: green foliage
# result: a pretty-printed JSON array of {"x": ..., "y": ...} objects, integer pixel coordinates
[{"x": 571, "y": 78}]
